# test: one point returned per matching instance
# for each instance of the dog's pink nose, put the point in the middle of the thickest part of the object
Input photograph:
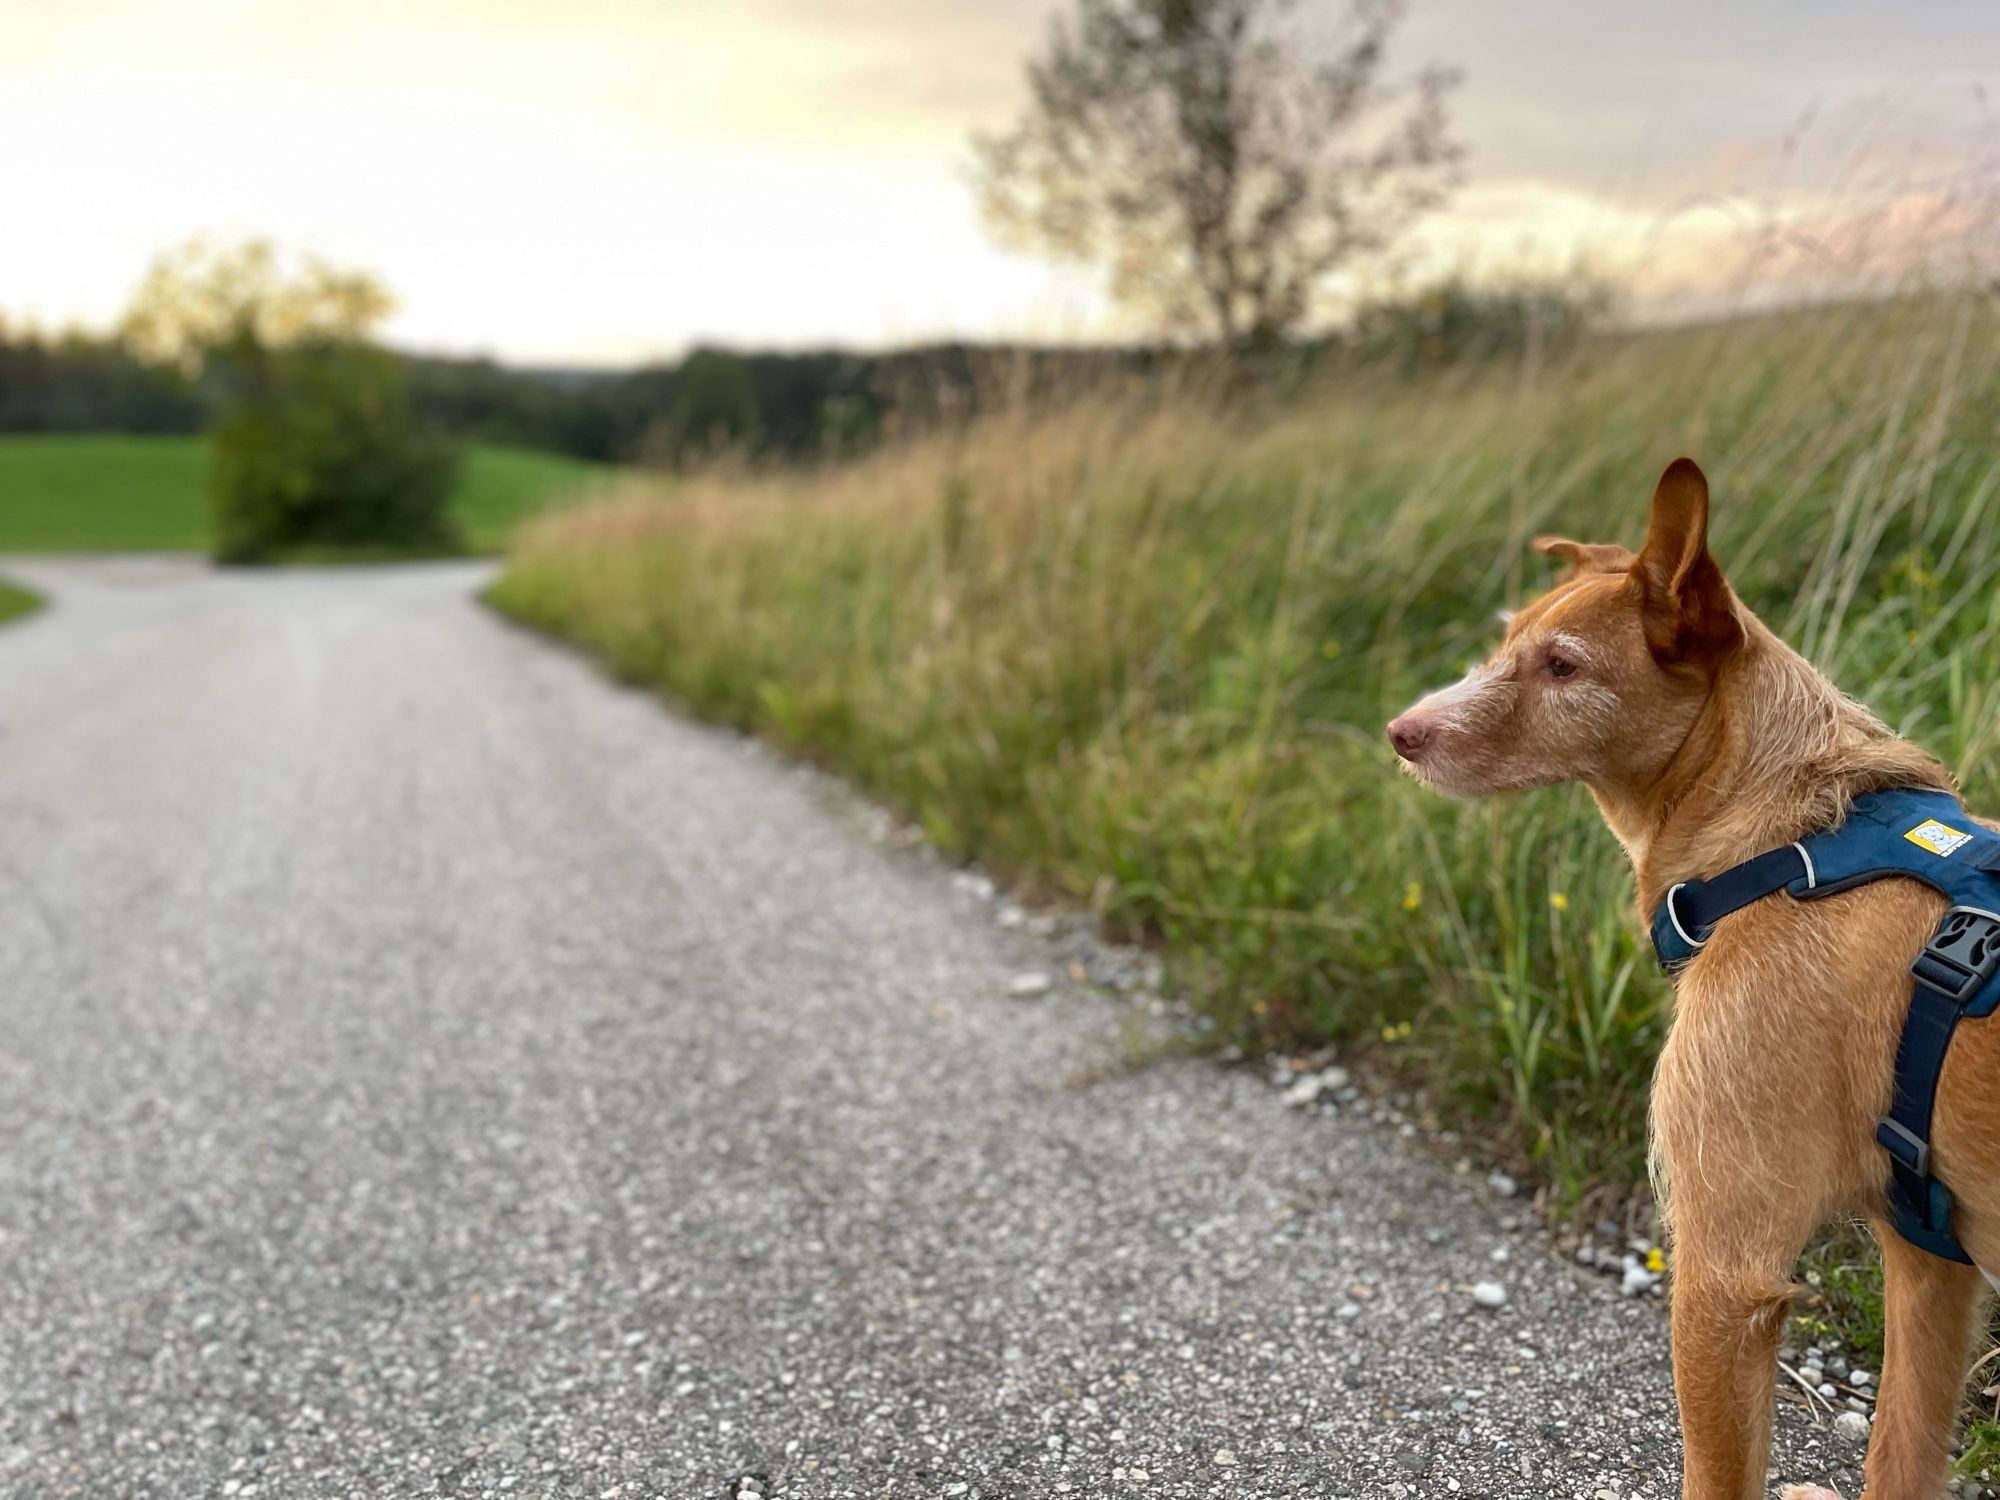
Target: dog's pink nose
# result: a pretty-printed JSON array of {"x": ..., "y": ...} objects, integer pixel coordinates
[{"x": 1409, "y": 735}]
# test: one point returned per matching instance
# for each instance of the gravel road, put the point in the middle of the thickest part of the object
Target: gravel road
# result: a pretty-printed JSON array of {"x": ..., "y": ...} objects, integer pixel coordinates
[{"x": 427, "y": 1069}]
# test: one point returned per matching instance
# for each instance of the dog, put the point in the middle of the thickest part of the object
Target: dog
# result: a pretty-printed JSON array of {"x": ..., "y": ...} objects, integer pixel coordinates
[{"x": 1706, "y": 740}]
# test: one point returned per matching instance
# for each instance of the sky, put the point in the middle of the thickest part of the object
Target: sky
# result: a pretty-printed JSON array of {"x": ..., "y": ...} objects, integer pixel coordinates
[{"x": 599, "y": 182}]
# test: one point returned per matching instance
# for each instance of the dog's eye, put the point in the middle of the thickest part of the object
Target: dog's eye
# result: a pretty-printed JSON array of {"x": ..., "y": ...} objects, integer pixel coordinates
[{"x": 1560, "y": 666}]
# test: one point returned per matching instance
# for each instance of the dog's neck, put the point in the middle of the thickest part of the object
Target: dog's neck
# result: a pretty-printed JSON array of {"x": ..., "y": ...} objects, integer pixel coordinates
[{"x": 1775, "y": 753}]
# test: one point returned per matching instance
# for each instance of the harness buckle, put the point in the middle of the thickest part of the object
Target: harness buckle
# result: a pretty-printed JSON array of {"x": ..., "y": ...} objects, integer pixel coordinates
[
  {"x": 1961, "y": 956},
  {"x": 1904, "y": 1144}
]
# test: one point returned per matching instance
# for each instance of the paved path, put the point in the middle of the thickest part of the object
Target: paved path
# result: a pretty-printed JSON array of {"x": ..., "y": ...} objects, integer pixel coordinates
[{"x": 427, "y": 1069}]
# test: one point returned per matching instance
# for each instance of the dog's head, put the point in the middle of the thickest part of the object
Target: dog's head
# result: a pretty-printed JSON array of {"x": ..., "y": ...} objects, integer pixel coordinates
[{"x": 1601, "y": 679}]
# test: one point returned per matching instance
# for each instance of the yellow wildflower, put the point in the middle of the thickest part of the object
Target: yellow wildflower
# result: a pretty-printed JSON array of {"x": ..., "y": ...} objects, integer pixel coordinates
[
  {"x": 1558, "y": 900},
  {"x": 1413, "y": 896},
  {"x": 1656, "y": 1260}
]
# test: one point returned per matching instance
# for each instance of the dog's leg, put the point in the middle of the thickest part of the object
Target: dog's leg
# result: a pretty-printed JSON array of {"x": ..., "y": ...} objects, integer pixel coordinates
[
  {"x": 1927, "y": 1326},
  {"x": 1740, "y": 1197},
  {"x": 1726, "y": 1323}
]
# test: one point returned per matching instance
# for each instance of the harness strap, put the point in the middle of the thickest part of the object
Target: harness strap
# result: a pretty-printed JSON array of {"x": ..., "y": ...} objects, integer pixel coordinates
[
  {"x": 1918, "y": 1202},
  {"x": 1918, "y": 833},
  {"x": 1954, "y": 975},
  {"x": 1693, "y": 907}
]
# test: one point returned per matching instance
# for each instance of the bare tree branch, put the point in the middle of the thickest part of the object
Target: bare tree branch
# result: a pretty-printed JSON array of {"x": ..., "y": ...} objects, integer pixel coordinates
[{"x": 1194, "y": 150}]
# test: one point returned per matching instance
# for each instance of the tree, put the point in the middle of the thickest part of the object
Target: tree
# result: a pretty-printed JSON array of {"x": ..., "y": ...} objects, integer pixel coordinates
[
  {"x": 1194, "y": 149},
  {"x": 202, "y": 301},
  {"x": 322, "y": 450},
  {"x": 715, "y": 406},
  {"x": 316, "y": 444}
]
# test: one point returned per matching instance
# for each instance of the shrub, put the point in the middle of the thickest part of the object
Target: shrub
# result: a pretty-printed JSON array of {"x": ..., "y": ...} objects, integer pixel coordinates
[
  {"x": 318, "y": 447},
  {"x": 1458, "y": 321}
]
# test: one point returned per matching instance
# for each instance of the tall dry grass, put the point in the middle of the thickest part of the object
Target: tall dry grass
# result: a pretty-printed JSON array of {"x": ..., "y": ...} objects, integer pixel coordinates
[{"x": 1138, "y": 652}]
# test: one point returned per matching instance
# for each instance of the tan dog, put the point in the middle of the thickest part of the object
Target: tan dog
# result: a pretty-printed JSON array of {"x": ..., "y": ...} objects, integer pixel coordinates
[{"x": 1705, "y": 741}]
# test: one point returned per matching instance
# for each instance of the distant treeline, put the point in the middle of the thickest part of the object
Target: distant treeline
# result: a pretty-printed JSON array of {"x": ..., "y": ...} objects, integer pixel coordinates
[
  {"x": 787, "y": 406},
  {"x": 799, "y": 406},
  {"x": 78, "y": 384}
]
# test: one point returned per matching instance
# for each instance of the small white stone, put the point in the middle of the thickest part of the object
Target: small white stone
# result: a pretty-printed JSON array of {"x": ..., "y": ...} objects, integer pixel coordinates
[
  {"x": 1851, "y": 1427},
  {"x": 1224, "y": 1459},
  {"x": 1859, "y": 1378},
  {"x": 1637, "y": 1278},
  {"x": 1827, "y": 1391},
  {"x": 1027, "y": 985},
  {"x": 1306, "y": 1091},
  {"x": 1489, "y": 1294},
  {"x": 1502, "y": 1184}
]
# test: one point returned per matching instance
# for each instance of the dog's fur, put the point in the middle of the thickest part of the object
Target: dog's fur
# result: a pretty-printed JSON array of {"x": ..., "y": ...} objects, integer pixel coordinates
[{"x": 1706, "y": 740}]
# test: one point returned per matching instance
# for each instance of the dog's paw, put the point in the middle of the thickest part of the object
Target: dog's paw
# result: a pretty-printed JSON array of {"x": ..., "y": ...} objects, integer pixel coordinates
[{"x": 1807, "y": 1492}]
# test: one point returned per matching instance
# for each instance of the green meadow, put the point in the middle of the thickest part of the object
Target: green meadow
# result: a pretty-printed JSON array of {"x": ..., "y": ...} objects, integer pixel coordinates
[
  {"x": 98, "y": 493},
  {"x": 1136, "y": 652},
  {"x": 16, "y": 601}
]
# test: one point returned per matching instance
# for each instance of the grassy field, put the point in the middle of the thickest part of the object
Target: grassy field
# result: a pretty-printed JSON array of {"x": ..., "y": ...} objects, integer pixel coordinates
[
  {"x": 1140, "y": 656},
  {"x": 16, "y": 601},
  {"x": 500, "y": 487},
  {"x": 112, "y": 493}
]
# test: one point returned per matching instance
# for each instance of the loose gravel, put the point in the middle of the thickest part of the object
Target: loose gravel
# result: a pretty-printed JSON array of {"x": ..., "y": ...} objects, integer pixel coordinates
[{"x": 430, "y": 1070}]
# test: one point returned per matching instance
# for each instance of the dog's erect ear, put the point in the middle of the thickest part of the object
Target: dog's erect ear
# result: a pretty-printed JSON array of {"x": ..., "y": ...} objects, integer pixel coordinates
[
  {"x": 1585, "y": 557},
  {"x": 1689, "y": 614}
]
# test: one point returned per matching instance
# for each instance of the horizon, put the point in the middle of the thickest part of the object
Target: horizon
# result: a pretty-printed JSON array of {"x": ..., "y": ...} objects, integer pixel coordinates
[{"x": 598, "y": 186}]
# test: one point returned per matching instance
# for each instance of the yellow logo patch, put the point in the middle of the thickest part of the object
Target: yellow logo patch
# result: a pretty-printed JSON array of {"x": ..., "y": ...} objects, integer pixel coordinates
[{"x": 1936, "y": 837}]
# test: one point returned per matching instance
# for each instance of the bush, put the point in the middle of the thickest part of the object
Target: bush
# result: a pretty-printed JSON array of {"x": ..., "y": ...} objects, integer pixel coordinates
[
  {"x": 1457, "y": 321},
  {"x": 319, "y": 448}
]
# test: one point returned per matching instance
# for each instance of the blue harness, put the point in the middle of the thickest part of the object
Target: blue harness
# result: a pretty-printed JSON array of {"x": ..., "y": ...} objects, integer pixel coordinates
[{"x": 1926, "y": 836}]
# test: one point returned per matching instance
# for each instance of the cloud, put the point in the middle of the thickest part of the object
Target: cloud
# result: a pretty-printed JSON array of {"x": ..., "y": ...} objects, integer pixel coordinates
[{"x": 612, "y": 179}]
